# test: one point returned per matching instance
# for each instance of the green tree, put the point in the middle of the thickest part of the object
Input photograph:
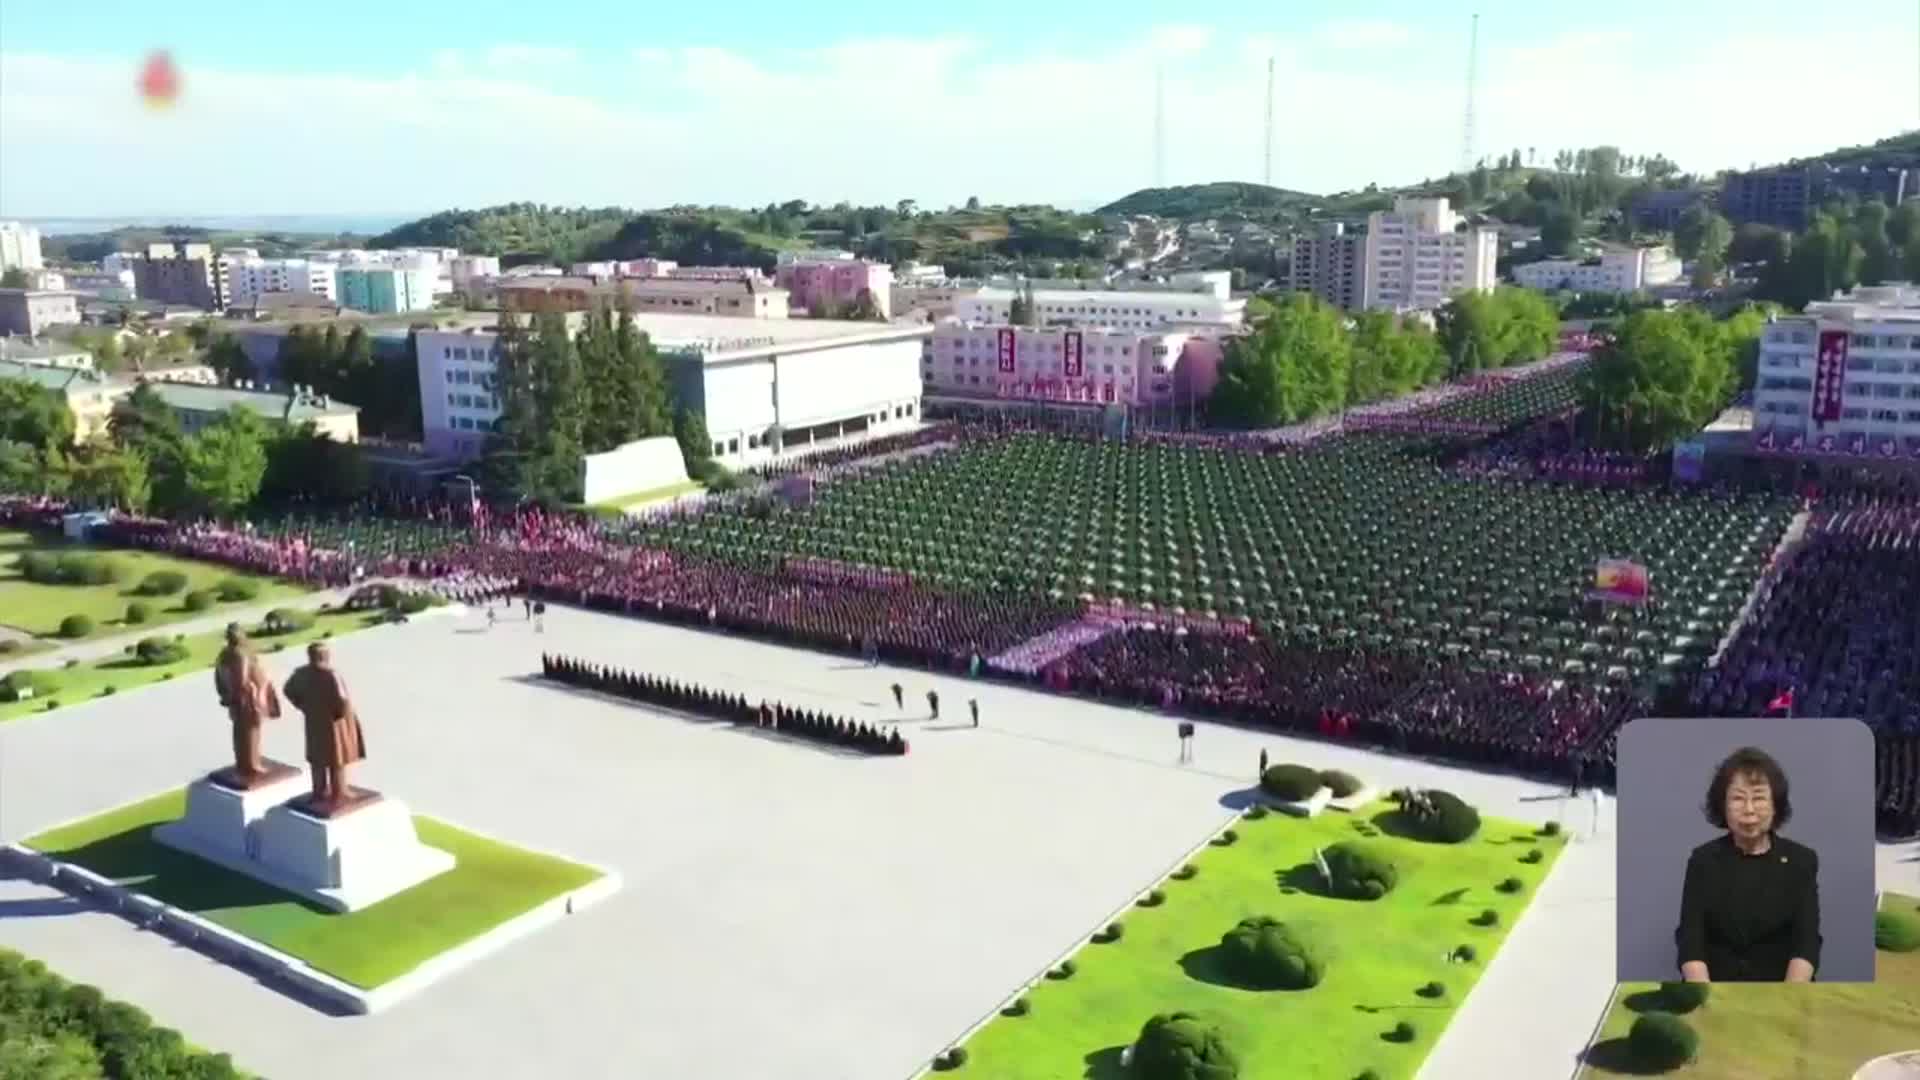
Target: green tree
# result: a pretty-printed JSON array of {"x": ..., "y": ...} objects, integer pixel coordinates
[
  {"x": 1880, "y": 260},
  {"x": 20, "y": 468},
  {"x": 1296, "y": 365},
  {"x": 652, "y": 409},
  {"x": 1557, "y": 230},
  {"x": 15, "y": 278},
  {"x": 1469, "y": 328},
  {"x": 105, "y": 475},
  {"x": 33, "y": 414},
  {"x": 612, "y": 385},
  {"x": 1662, "y": 376},
  {"x": 229, "y": 361},
  {"x": 1903, "y": 225},
  {"x": 864, "y": 308},
  {"x": 225, "y": 462},
  {"x": 561, "y": 398},
  {"x": 144, "y": 424},
  {"x": 1710, "y": 244},
  {"x": 304, "y": 464},
  {"x": 509, "y": 461},
  {"x": 690, "y": 428},
  {"x": 105, "y": 348}
]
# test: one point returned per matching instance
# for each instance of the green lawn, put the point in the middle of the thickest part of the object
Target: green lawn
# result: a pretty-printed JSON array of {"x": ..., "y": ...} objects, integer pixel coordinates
[
  {"x": 1378, "y": 953},
  {"x": 492, "y": 883},
  {"x": 38, "y": 609},
  {"x": 92, "y": 678},
  {"x": 1781, "y": 1032}
]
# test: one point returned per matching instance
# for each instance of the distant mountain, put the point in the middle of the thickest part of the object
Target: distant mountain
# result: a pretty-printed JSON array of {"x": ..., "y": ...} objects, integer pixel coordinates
[
  {"x": 1214, "y": 200},
  {"x": 1902, "y": 149},
  {"x": 529, "y": 230}
]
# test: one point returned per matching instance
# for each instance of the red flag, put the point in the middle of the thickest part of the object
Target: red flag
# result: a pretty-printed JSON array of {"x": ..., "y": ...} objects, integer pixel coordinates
[{"x": 1782, "y": 703}]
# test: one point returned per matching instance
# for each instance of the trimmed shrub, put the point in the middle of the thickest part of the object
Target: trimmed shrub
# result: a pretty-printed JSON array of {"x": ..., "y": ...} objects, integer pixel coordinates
[
  {"x": 10, "y": 645},
  {"x": 414, "y": 603},
  {"x": 1367, "y": 1074},
  {"x": 1019, "y": 1007},
  {"x": 1551, "y": 828},
  {"x": 1896, "y": 931},
  {"x": 138, "y": 612},
  {"x": 1255, "y": 812},
  {"x": 1488, "y": 917},
  {"x": 1438, "y": 816},
  {"x": 1683, "y": 997},
  {"x": 1403, "y": 1032},
  {"x": 39, "y": 567},
  {"x": 109, "y": 690},
  {"x": 1662, "y": 1041},
  {"x": 1262, "y": 951},
  {"x": 1466, "y": 954},
  {"x": 36, "y": 684},
  {"x": 1066, "y": 970},
  {"x": 155, "y": 651},
  {"x": 1226, "y": 839},
  {"x": 71, "y": 664},
  {"x": 199, "y": 600},
  {"x": 1342, "y": 784},
  {"x": 84, "y": 568},
  {"x": 1510, "y": 885},
  {"x": 950, "y": 1060},
  {"x": 233, "y": 590},
  {"x": 286, "y": 621},
  {"x": 1293, "y": 783},
  {"x": 1360, "y": 871},
  {"x": 1433, "y": 989},
  {"x": 1182, "y": 1046},
  {"x": 1114, "y": 932},
  {"x": 1533, "y": 856},
  {"x": 1186, "y": 873},
  {"x": 1154, "y": 898},
  {"x": 76, "y": 626},
  {"x": 161, "y": 583}
]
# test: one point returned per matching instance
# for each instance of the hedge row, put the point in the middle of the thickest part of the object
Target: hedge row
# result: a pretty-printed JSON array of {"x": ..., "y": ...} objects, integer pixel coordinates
[
  {"x": 68, "y": 1029},
  {"x": 72, "y": 568}
]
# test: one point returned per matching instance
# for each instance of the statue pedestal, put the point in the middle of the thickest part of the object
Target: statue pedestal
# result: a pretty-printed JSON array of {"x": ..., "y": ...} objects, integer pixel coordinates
[
  {"x": 353, "y": 858},
  {"x": 222, "y": 819}
]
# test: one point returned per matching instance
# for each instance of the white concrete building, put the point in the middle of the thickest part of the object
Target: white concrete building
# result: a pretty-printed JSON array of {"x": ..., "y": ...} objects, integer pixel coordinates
[
  {"x": 249, "y": 278},
  {"x": 1421, "y": 253},
  {"x": 464, "y": 270},
  {"x": 1121, "y": 310},
  {"x": 1623, "y": 270},
  {"x": 1843, "y": 378},
  {"x": 103, "y": 284},
  {"x": 19, "y": 246},
  {"x": 118, "y": 261},
  {"x": 765, "y": 386}
]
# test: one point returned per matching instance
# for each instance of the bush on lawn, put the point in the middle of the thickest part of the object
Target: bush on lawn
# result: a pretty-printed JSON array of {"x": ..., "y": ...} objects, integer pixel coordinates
[
  {"x": 1154, "y": 898},
  {"x": 286, "y": 621},
  {"x": 1438, "y": 816},
  {"x": 1020, "y": 1007},
  {"x": 234, "y": 590},
  {"x": 1488, "y": 917},
  {"x": 414, "y": 603},
  {"x": 1432, "y": 989},
  {"x": 72, "y": 568},
  {"x": 1533, "y": 856},
  {"x": 1291, "y": 783},
  {"x": 1551, "y": 828},
  {"x": 35, "y": 684},
  {"x": 10, "y": 645},
  {"x": 1263, "y": 951},
  {"x": 1342, "y": 784},
  {"x": 1255, "y": 812},
  {"x": 161, "y": 583},
  {"x": 85, "y": 1025},
  {"x": 76, "y": 626},
  {"x": 1182, "y": 1046},
  {"x": 1510, "y": 885},
  {"x": 950, "y": 1060},
  {"x": 138, "y": 612},
  {"x": 1186, "y": 873},
  {"x": 1466, "y": 954},
  {"x": 199, "y": 600},
  {"x": 1360, "y": 871},
  {"x": 1896, "y": 931},
  {"x": 155, "y": 651},
  {"x": 1114, "y": 932},
  {"x": 1367, "y": 1074},
  {"x": 1064, "y": 971},
  {"x": 39, "y": 567},
  {"x": 1683, "y": 997},
  {"x": 1226, "y": 838},
  {"x": 1662, "y": 1041},
  {"x": 1403, "y": 1032}
]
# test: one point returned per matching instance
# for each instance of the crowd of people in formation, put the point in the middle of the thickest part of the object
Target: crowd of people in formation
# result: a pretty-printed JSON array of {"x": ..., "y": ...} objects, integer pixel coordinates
[
  {"x": 906, "y": 626},
  {"x": 853, "y": 452},
  {"x": 1546, "y": 451},
  {"x": 687, "y": 697},
  {"x": 476, "y": 589},
  {"x": 1416, "y": 705},
  {"x": 281, "y": 557},
  {"x": 1836, "y": 633}
]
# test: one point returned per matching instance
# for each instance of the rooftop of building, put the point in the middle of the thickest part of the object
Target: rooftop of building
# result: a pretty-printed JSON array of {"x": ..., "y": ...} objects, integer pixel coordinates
[
  {"x": 1100, "y": 295},
  {"x": 53, "y": 378},
  {"x": 282, "y": 404},
  {"x": 24, "y": 349},
  {"x": 731, "y": 337},
  {"x": 37, "y": 293},
  {"x": 396, "y": 325},
  {"x": 1895, "y": 300}
]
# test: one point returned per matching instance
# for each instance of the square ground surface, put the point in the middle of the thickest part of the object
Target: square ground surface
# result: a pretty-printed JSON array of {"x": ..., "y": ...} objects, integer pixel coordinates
[
  {"x": 1819, "y": 1032},
  {"x": 38, "y": 609},
  {"x": 1377, "y": 954},
  {"x": 490, "y": 883}
]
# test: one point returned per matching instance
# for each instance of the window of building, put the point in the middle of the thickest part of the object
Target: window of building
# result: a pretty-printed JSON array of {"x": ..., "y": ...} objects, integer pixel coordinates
[
  {"x": 1887, "y": 390},
  {"x": 1859, "y": 363},
  {"x": 1887, "y": 416},
  {"x": 450, "y": 400},
  {"x": 1913, "y": 416},
  {"x": 1853, "y": 413},
  {"x": 719, "y": 449}
]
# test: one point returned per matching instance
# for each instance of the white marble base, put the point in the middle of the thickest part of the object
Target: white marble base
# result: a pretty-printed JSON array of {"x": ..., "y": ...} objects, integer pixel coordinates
[
  {"x": 224, "y": 822},
  {"x": 1362, "y": 798},
  {"x": 348, "y": 862},
  {"x": 1311, "y": 806}
]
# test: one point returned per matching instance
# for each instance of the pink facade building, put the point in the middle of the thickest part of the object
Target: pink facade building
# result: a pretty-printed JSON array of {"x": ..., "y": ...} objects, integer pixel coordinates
[
  {"x": 835, "y": 284},
  {"x": 1086, "y": 366}
]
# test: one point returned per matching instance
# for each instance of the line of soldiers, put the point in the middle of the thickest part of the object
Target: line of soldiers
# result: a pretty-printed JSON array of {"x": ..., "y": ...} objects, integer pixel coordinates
[{"x": 689, "y": 697}]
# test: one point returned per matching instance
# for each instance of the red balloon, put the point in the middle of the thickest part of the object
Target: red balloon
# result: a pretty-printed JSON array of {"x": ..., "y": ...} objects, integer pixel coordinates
[{"x": 159, "y": 79}]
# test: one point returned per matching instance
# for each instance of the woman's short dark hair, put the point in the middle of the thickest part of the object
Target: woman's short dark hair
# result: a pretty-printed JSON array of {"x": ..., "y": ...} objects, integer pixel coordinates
[{"x": 1748, "y": 761}]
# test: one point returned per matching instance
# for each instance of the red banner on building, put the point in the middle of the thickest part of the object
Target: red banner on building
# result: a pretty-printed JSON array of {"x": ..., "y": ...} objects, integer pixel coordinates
[
  {"x": 1006, "y": 349},
  {"x": 1070, "y": 352},
  {"x": 1830, "y": 375}
]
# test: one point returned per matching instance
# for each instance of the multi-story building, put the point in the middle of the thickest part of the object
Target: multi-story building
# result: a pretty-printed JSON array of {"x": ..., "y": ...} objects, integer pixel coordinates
[
  {"x": 384, "y": 290},
  {"x": 1843, "y": 378},
  {"x": 829, "y": 286},
  {"x": 1093, "y": 366},
  {"x": 195, "y": 406},
  {"x": 735, "y": 296},
  {"x": 89, "y": 395},
  {"x": 248, "y": 279},
  {"x": 114, "y": 262},
  {"x": 103, "y": 284},
  {"x": 1787, "y": 196},
  {"x": 19, "y": 246},
  {"x": 1421, "y": 254},
  {"x": 765, "y": 387},
  {"x": 57, "y": 354},
  {"x": 188, "y": 276},
  {"x": 29, "y": 312},
  {"x": 1661, "y": 211},
  {"x": 464, "y": 270},
  {"x": 1619, "y": 271},
  {"x": 1331, "y": 263},
  {"x": 1167, "y": 309}
]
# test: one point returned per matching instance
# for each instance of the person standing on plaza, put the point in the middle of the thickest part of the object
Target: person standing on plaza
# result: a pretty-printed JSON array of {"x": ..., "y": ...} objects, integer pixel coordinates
[
  {"x": 933, "y": 703},
  {"x": 1263, "y": 762},
  {"x": 899, "y": 697},
  {"x": 973, "y": 706}
]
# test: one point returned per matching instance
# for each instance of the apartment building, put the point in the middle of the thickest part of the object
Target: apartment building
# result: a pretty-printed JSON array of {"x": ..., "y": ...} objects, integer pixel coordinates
[
  {"x": 1787, "y": 196},
  {"x": 19, "y": 247},
  {"x": 830, "y": 285},
  {"x": 1331, "y": 263},
  {"x": 463, "y": 271},
  {"x": 187, "y": 276},
  {"x": 29, "y": 312},
  {"x": 1622, "y": 270},
  {"x": 384, "y": 290},
  {"x": 1843, "y": 378},
  {"x": 247, "y": 279},
  {"x": 1421, "y": 253}
]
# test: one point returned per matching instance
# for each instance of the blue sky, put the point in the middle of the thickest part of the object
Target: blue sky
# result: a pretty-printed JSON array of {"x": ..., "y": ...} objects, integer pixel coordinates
[{"x": 411, "y": 105}]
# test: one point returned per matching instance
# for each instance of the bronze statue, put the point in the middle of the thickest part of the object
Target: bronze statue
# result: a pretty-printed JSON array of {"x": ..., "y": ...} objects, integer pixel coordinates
[
  {"x": 250, "y": 700},
  {"x": 334, "y": 740}
]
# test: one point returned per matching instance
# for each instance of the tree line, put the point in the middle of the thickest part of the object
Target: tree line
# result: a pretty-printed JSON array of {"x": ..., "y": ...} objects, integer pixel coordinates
[
  {"x": 1664, "y": 375},
  {"x": 342, "y": 366}
]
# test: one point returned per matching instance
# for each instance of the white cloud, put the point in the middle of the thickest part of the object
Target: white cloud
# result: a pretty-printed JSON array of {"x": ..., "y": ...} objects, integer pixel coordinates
[
  {"x": 511, "y": 55},
  {"x": 1363, "y": 34},
  {"x": 874, "y": 120}
]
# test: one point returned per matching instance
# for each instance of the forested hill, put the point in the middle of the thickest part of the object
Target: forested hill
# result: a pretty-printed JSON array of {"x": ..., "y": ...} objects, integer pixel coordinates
[
  {"x": 548, "y": 232},
  {"x": 1214, "y": 200}
]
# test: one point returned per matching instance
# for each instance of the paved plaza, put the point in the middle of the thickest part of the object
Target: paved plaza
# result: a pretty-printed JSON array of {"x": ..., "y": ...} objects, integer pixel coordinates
[{"x": 788, "y": 911}]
